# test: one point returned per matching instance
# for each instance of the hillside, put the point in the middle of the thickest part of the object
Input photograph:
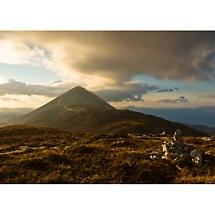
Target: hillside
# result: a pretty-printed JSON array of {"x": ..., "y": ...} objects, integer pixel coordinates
[
  {"x": 32, "y": 154},
  {"x": 206, "y": 129},
  {"x": 80, "y": 111}
]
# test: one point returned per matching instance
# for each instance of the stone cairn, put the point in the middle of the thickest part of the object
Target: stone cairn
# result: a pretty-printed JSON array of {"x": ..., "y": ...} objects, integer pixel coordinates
[{"x": 179, "y": 151}]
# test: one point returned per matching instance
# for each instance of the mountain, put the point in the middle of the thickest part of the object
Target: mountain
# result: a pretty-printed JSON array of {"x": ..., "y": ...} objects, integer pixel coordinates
[
  {"x": 76, "y": 100},
  {"x": 81, "y": 111},
  {"x": 203, "y": 128}
]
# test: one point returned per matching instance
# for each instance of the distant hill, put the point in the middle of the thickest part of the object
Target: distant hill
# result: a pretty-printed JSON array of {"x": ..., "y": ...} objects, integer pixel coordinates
[
  {"x": 8, "y": 114},
  {"x": 206, "y": 129},
  {"x": 81, "y": 111},
  {"x": 192, "y": 116}
]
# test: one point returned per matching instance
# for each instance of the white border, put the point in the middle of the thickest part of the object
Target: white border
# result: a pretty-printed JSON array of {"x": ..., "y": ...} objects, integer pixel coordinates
[{"x": 106, "y": 15}]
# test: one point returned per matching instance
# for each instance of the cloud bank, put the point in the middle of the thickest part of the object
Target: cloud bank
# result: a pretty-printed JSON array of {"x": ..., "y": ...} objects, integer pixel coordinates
[
  {"x": 130, "y": 91},
  {"x": 118, "y": 56},
  {"x": 20, "y": 88},
  {"x": 106, "y": 63}
]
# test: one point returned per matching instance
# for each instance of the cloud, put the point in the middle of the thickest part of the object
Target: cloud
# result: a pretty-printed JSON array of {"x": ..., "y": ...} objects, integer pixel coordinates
[
  {"x": 8, "y": 97},
  {"x": 130, "y": 91},
  {"x": 56, "y": 82},
  {"x": 20, "y": 88},
  {"x": 167, "y": 90},
  {"x": 180, "y": 99},
  {"x": 18, "y": 52},
  {"x": 118, "y": 56}
]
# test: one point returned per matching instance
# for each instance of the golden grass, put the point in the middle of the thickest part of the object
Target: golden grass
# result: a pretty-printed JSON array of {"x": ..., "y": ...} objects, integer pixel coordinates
[{"x": 43, "y": 155}]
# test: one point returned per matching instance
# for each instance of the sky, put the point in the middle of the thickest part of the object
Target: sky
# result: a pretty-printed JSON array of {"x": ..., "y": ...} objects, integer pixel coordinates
[{"x": 126, "y": 68}]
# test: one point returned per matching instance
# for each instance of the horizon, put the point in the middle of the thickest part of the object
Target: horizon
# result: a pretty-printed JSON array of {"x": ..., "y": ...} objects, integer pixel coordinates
[
  {"x": 159, "y": 70},
  {"x": 206, "y": 115}
]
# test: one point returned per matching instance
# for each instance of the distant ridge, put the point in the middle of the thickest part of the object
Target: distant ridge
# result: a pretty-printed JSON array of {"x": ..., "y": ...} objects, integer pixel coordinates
[
  {"x": 81, "y": 111},
  {"x": 203, "y": 128}
]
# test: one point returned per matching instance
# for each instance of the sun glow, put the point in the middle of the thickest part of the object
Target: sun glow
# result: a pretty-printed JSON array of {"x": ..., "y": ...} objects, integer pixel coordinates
[{"x": 2, "y": 80}]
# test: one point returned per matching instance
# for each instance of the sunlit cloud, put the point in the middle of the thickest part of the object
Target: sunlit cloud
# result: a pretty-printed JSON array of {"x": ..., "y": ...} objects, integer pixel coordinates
[
  {"x": 187, "y": 56},
  {"x": 2, "y": 80},
  {"x": 106, "y": 63},
  {"x": 20, "y": 88},
  {"x": 132, "y": 91},
  {"x": 15, "y": 52},
  {"x": 23, "y": 101}
]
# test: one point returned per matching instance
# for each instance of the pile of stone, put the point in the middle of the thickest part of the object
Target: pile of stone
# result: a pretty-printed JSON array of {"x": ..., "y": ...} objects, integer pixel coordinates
[{"x": 179, "y": 151}]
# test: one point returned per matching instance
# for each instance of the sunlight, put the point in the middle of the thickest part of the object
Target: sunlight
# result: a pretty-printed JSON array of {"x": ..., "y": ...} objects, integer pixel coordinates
[{"x": 2, "y": 80}]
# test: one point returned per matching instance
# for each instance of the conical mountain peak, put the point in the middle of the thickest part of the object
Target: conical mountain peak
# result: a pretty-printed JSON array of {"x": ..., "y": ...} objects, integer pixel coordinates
[
  {"x": 78, "y": 97},
  {"x": 71, "y": 102},
  {"x": 77, "y": 89}
]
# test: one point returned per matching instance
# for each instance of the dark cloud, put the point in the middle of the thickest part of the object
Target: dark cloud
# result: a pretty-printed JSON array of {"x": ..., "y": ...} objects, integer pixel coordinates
[
  {"x": 56, "y": 82},
  {"x": 169, "y": 55},
  {"x": 188, "y": 56},
  {"x": 131, "y": 91},
  {"x": 167, "y": 90},
  {"x": 180, "y": 99}
]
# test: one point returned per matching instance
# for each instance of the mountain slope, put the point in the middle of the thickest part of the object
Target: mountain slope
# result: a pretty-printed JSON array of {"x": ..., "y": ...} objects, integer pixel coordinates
[
  {"x": 80, "y": 111},
  {"x": 75, "y": 100},
  {"x": 122, "y": 122},
  {"x": 203, "y": 128}
]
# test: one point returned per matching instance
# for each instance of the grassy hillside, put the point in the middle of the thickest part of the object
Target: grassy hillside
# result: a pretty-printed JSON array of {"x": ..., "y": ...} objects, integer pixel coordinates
[
  {"x": 105, "y": 122},
  {"x": 44, "y": 155}
]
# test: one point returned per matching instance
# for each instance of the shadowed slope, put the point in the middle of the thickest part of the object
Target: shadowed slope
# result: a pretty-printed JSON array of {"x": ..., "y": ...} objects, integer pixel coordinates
[{"x": 75, "y": 100}]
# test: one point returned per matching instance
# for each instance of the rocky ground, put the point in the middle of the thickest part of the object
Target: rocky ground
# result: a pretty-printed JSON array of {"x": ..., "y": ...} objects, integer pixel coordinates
[{"x": 43, "y": 155}]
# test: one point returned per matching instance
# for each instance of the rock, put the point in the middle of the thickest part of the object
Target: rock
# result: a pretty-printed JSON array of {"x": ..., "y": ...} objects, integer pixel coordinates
[
  {"x": 154, "y": 155},
  {"x": 179, "y": 151},
  {"x": 163, "y": 134},
  {"x": 177, "y": 137},
  {"x": 167, "y": 149},
  {"x": 196, "y": 157}
]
